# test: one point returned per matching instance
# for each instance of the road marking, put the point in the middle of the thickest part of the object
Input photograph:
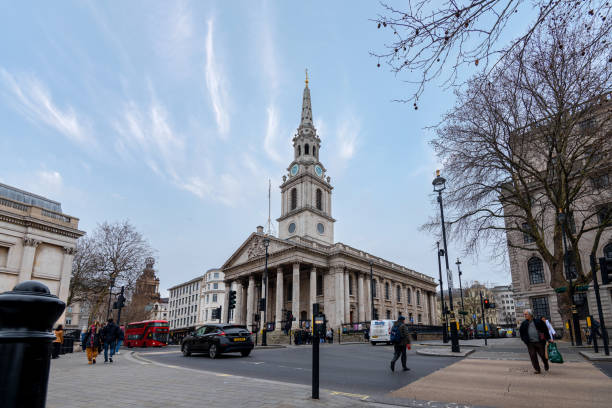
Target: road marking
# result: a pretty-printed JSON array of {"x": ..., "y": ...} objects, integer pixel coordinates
[
  {"x": 224, "y": 375},
  {"x": 347, "y": 394},
  {"x": 156, "y": 353}
]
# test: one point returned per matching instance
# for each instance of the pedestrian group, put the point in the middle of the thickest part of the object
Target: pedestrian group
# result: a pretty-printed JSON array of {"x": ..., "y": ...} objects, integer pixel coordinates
[{"x": 107, "y": 338}]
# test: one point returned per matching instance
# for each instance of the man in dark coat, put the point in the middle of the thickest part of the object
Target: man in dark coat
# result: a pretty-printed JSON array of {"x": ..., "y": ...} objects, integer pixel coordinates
[
  {"x": 534, "y": 334},
  {"x": 399, "y": 347},
  {"x": 109, "y": 336}
]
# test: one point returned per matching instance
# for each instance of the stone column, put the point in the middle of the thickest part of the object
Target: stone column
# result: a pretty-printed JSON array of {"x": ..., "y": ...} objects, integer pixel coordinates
[
  {"x": 280, "y": 292},
  {"x": 339, "y": 295},
  {"x": 27, "y": 259},
  {"x": 362, "y": 298},
  {"x": 295, "y": 302},
  {"x": 368, "y": 297},
  {"x": 64, "y": 286},
  {"x": 249, "y": 301},
  {"x": 394, "y": 300},
  {"x": 238, "y": 319},
  {"x": 347, "y": 298},
  {"x": 313, "y": 290},
  {"x": 225, "y": 308},
  {"x": 263, "y": 318}
]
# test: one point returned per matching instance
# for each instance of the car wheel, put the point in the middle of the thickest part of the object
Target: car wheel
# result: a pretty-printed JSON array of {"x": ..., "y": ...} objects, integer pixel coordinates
[
  {"x": 373, "y": 343},
  {"x": 212, "y": 351},
  {"x": 186, "y": 350},
  {"x": 245, "y": 353}
]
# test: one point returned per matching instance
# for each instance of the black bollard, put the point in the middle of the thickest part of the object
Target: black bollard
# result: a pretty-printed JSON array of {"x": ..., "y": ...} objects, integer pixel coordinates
[{"x": 27, "y": 315}]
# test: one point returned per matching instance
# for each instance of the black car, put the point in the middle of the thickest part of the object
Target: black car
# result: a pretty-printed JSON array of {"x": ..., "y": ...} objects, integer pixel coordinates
[{"x": 215, "y": 339}]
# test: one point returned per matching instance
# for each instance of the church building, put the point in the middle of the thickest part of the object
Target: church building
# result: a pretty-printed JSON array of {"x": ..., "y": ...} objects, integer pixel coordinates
[{"x": 306, "y": 266}]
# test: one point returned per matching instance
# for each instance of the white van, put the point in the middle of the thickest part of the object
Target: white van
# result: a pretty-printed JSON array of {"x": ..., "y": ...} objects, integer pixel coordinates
[{"x": 380, "y": 331}]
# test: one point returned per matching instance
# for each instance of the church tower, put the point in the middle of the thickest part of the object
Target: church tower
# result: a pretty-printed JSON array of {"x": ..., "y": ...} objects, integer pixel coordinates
[{"x": 306, "y": 191}]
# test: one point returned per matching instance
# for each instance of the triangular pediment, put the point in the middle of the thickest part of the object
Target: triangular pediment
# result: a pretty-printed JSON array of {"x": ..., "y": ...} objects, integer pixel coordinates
[{"x": 253, "y": 248}]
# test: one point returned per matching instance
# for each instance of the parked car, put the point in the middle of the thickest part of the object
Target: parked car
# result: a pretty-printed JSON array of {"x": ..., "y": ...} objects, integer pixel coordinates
[
  {"x": 380, "y": 331},
  {"x": 215, "y": 339}
]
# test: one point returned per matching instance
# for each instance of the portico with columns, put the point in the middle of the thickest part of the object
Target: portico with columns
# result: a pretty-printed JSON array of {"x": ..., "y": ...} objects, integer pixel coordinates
[{"x": 305, "y": 266}]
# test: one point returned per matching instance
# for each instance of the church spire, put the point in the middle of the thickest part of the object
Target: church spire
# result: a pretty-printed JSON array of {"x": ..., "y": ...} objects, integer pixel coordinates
[{"x": 306, "y": 108}]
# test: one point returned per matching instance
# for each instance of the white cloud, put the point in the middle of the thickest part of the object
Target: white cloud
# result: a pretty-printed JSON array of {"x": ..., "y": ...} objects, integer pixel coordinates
[
  {"x": 347, "y": 134},
  {"x": 172, "y": 28},
  {"x": 32, "y": 99},
  {"x": 216, "y": 85},
  {"x": 270, "y": 140}
]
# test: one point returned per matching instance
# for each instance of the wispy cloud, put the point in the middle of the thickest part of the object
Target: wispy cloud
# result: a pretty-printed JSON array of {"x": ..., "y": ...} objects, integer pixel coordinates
[
  {"x": 31, "y": 98},
  {"x": 214, "y": 82},
  {"x": 173, "y": 30},
  {"x": 347, "y": 134},
  {"x": 270, "y": 140}
]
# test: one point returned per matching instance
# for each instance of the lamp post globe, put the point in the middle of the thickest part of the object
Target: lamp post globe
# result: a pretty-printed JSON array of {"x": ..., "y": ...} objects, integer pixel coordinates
[
  {"x": 266, "y": 243},
  {"x": 439, "y": 184}
]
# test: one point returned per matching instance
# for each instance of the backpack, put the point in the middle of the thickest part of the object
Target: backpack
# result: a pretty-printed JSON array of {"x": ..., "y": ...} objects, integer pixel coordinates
[{"x": 395, "y": 335}]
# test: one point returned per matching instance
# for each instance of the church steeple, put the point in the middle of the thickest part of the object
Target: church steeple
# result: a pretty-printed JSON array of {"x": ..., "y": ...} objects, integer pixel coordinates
[
  {"x": 306, "y": 189},
  {"x": 306, "y": 107}
]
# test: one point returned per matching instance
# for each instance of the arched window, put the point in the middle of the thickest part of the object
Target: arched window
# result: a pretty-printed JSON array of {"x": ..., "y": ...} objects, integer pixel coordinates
[
  {"x": 299, "y": 150},
  {"x": 306, "y": 148},
  {"x": 314, "y": 151},
  {"x": 387, "y": 290},
  {"x": 319, "y": 199},
  {"x": 608, "y": 251},
  {"x": 293, "y": 198},
  {"x": 536, "y": 270}
]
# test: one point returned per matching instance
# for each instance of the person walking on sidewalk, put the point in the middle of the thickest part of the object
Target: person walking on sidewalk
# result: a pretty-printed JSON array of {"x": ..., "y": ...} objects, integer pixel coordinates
[
  {"x": 59, "y": 340},
  {"x": 109, "y": 336},
  {"x": 400, "y": 337},
  {"x": 119, "y": 339},
  {"x": 534, "y": 334},
  {"x": 91, "y": 343}
]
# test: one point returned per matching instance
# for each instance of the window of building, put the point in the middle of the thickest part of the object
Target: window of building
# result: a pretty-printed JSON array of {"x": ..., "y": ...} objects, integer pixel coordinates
[
  {"x": 387, "y": 290},
  {"x": 215, "y": 286},
  {"x": 293, "y": 198},
  {"x": 68, "y": 320},
  {"x": 350, "y": 284},
  {"x": 290, "y": 291},
  {"x": 319, "y": 285},
  {"x": 319, "y": 199},
  {"x": 374, "y": 289},
  {"x": 216, "y": 275},
  {"x": 299, "y": 150},
  {"x": 539, "y": 306},
  {"x": 420, "y": 318},
  {"x": 607, "y": 251},
  {"x": 601, "y": 181},
  {"x": 214, "y": 297},
  {"x": 527, "y": 237},
  {"x": 314, "y": 151},
  {"x": 410, "y": 318},
  {"x": 535, "y": 268},
  {"x": 409, "y": 296},
  {"x": 306, "y": 149},
  {"x": 388, "y": 314},
  {"x": 604, "y": 214},
  {"x": 376, "y": 317},
  {"x": 205, "y": 314},
  {"x": 399, "y": 293},
  {"x": 571, "y": 265},
  {"x": 418, "y": 296}
]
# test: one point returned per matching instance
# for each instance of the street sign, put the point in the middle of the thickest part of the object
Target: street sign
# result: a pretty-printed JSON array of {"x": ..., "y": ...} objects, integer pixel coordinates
[
  {"x": 474, "y": 316},
  {"x": 449, "y": 277}
]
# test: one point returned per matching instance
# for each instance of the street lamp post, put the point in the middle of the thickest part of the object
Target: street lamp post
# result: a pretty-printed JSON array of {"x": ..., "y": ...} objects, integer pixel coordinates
[
  {"x": 439, "y": 185},
  {"x": 458, "y": 263},
  {"x": 562, "y": 218},
  {"x": 110, "y": 294},
  {"x": 372, "y": 317},
  {"x": 442, "y": 302},
  {"x": 266, "y": 242}
]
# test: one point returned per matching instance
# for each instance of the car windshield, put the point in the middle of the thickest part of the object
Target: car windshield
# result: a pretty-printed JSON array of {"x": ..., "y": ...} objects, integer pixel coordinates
[{"x": 236, "y": 330}]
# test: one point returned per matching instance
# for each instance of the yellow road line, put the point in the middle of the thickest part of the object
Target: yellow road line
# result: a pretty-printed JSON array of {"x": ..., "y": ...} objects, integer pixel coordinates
[{"x": 347, "y": 394}]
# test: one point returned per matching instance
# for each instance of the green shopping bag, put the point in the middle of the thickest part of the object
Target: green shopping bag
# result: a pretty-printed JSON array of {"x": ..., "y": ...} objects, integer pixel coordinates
[{"x": 553, "y": 354}]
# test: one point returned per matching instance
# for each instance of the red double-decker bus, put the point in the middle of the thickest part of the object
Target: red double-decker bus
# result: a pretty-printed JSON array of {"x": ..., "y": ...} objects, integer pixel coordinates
[{"x": 150, "y": 333}]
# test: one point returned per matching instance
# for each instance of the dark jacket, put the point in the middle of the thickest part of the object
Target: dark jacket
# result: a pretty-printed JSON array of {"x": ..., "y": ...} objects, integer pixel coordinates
[
  {"x": 540, "y": 327},
  {"x": 404, "y": 333},
  {"x": 88, "y": 336},
  {"x": 110, "y": 333}
]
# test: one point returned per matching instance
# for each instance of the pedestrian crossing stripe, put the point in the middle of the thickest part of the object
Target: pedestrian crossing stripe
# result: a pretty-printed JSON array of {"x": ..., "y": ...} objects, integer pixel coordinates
[{"x": 347, "y": 394}]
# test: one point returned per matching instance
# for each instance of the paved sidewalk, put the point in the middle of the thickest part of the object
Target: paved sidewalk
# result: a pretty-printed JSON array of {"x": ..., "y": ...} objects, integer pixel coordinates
[{"x": 131, "y": 382}]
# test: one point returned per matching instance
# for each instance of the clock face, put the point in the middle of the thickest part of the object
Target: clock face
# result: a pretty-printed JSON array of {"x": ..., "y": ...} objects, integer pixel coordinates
[
  {"x": 294, "y": 169},
  {"x": 318, "y": 170}
]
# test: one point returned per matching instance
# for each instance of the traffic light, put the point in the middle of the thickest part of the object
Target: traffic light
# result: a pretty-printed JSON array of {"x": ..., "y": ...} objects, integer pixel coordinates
[
  {"x": 605, "y": 265},
  {"x": 120, "y": 301},
  {"x": 232, "y": 299},
  {"x": 486, "y": 303},
  {"x": 262, "y": 305},
  {"x": 216, "y": 313}
]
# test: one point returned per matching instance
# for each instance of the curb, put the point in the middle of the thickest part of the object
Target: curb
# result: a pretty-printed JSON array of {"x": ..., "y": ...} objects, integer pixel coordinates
[
  {"x": 435, "y": 353},
  {"x": 272, "y": 346},
  {"x": 592, "y": 356}
]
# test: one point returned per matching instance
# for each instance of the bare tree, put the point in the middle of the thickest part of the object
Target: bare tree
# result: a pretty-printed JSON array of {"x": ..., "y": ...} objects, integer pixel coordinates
[
  {"x": 528, "y": 140},
  {"x": 432, "y": 39},
  {"x": 115, "y": 253}
]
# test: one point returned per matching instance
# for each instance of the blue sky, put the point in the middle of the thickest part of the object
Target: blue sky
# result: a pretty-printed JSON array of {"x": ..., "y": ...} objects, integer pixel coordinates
[{"x": 175, "y": 114}]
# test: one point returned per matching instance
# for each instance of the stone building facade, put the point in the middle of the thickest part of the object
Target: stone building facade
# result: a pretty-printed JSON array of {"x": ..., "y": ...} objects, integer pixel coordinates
[
  {"x": 503, "y": 296},
  {"x": 212, "y": 296},
  {"x": 183, "y": 304},
  {"x": 306, "y": 266},
  {"x": 37, "y": 242}
]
